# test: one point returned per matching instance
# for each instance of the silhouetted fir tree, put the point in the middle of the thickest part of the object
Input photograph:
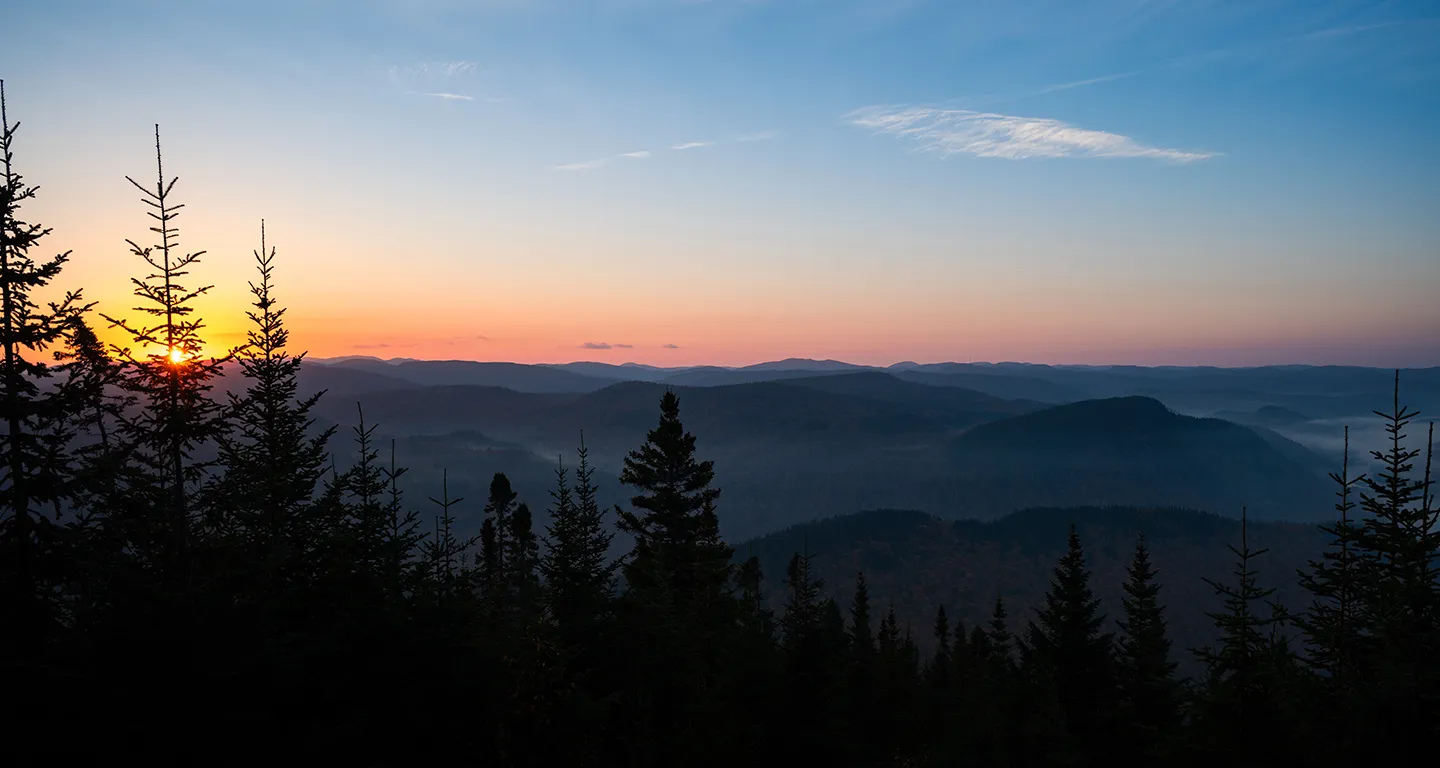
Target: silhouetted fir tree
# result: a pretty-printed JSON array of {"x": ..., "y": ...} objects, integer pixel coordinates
[
  {"x": 939, "y": 668},
  {"x": 1149, "y": 692},
  {"x": 273, "y": 465},
  {"x": 177, "y": 417},
  {"x": 1399, "y": 541},
  {"x": 1072, "y": 657},
  {"x": 495, "y": 546},
  {"x": 522, "y": 564},
  {"x": 678, "y": 602},
  {"x": 756, "y": 666},
  {"x": 36, "y": 463},
  {"x": 445, "y": 553},
  {"x": 1242, "y": 714},
  {"x": 579, "y": 577}
]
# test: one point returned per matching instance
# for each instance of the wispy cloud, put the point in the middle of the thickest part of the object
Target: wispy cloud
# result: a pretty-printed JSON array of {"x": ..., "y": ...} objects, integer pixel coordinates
[
  {"x": 1081, "y": 83},
  {"x": 984, "y": 134},
  {"x": 450, "y": 96},
  {"x": 432, "y": 70},
  {"x": 624, "y": 346},
  {"x": 588, "y": 165},
  {"x": 641, "y": 155},
  {"x": 669, "y": 346},
  {"x": 692, "y": 145},
  {"x": 600, "y": 345}
]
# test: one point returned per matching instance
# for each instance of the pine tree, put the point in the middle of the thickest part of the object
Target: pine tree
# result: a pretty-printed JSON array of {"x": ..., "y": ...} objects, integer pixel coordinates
[
  {"x": 1334, "y": 633},
  {"x": 273, "y": 466},
  {"x": 172, "y": 380},
  {"x": 679, "y": 611},
  {"x": 1072, "y": 657},
  {"x": 496, "y": 547},
  {"x": 1399, "y": 584},
  {"x": 579, "y": 576},
  {"x": 36, "y": 460},
  {"x": 677, "y": 536},
  {"x": 1242, "y": 696},
  {"x": 445, "y": 553},
  {"x": 1149, "y": 691},
  {"x": 522, "y": 564},
  {"x": 862, "y": 637},
  {"x": 940, "y": 663}
]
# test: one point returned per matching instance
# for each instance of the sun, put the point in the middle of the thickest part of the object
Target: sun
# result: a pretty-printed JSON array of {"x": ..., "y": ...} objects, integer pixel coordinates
[{"x": 177, "y": 356}]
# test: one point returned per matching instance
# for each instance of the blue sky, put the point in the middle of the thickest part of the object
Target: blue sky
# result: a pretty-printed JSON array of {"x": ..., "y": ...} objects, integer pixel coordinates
[{"x": 1117, "y": 181}]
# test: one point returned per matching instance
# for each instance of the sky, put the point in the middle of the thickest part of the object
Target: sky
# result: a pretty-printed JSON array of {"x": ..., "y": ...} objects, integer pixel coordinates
[{"x": 681, "y": 182}]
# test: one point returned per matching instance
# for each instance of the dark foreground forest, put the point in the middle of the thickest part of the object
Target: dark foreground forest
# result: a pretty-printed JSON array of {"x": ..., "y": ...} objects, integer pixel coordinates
[{"x": 190, "y": 579}]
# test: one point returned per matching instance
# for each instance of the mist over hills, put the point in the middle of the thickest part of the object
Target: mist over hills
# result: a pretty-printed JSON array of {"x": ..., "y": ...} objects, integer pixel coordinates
[{"x": 794, "y": 444}]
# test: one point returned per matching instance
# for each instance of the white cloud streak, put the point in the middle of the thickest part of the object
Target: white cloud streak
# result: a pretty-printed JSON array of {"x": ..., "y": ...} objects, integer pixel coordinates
[
  {"x": 451, "y": 96},
  {"x": 641, "y": 155},
  {"x": 588, "y": 165},
  {"x": 692, "y": 145},
  {"x": 983, "y": 134}
]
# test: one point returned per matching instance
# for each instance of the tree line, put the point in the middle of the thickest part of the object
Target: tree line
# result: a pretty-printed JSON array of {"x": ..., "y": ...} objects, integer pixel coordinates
[{"x": 191, "y": 578}]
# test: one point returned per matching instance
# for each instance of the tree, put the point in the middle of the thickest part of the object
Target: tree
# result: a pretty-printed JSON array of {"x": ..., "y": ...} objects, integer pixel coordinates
[
  {"x": 273, "y": 464},
  {"x": 941, "y": 662},
  {"x": 579, "y": 576},
  {"x": 1072, "y": 656},
  {"x": 677, "y": 535},
  {"x": 1149, "y": 692},
  {"x": 172, "y": 381},
  {"x": 36, "y": 463},
  {"x": 1243, "y": 701},
  {"x": 1399, "y": 541}
]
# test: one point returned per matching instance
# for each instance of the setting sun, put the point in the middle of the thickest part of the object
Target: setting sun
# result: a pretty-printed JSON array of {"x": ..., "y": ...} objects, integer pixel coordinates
[{"x": 177, "y": 356}]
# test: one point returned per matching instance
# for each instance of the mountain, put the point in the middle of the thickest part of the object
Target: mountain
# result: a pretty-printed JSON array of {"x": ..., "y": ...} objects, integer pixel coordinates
[
  {"x": 521, "y": 378},
  {"x": 1132, "y": 451},
  {"x": 803, "y": 364},
  {"x": 921, "y": 562},
  {"x": 996, "y": 384},
  {"x": 622, "y": 372}
]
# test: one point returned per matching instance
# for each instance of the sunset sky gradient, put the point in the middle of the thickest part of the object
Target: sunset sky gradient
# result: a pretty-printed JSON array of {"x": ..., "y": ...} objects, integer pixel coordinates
[{"x": 1223, "y": 182}]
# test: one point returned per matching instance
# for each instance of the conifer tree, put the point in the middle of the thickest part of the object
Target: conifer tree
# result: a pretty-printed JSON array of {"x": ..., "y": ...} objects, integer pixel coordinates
[
  {"x": 862, "y": 636},
  {"x": 1072, "y": 656},
  {"x": 677, "y": 536},
  {"x": 522, "y": 564},
  {"x": 445, "y": 553},
  {"x": 273, "y": 464},
  {"x": 1242, "y": 702},
  {"x": 941, "y": 662},
  {"x": 678, "y": 604},
  {"x": 1399, "y": 579},
  {"x": 172, "y": 380},
  {"x": 1332, "y": 625},
  {"x": 36, "y": 463},
  {"x": 1149, "y": 691},
  {"x": 579, "y": 576}
]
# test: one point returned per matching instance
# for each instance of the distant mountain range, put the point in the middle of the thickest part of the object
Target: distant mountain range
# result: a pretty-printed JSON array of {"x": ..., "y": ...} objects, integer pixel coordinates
[{"x": 800, "y": 445}]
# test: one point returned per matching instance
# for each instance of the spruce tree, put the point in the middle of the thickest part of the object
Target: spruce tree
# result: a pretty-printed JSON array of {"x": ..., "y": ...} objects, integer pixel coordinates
[
  {"x": 1242, "y": 701},
  {"x": 1149, "y": 692},
  {"x": 939, "y": 670},
  {"x": 1072, "y": 657},
  {"x": 273, "y": 465},
  {"x": 172, "y": 380},
  {"x": 579, "y": 576},
  {"x": 677, "y": 536},
  {"x": 1399, "y": 582},
  {"x": 36, "y": 462}
]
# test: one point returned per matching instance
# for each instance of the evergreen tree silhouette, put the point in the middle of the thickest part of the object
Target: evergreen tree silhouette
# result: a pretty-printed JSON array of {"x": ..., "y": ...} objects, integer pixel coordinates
[
  {"x": 273, "y": 465},
  {"x": 1072, "y": 656},
  {"x": 1149, "y": 691},
  {"x": 579, "y": 576},
  {"x": 172, "y": 381},
  {"x": 680, "y": 610},
  {"x": 38, "y": 432}
]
